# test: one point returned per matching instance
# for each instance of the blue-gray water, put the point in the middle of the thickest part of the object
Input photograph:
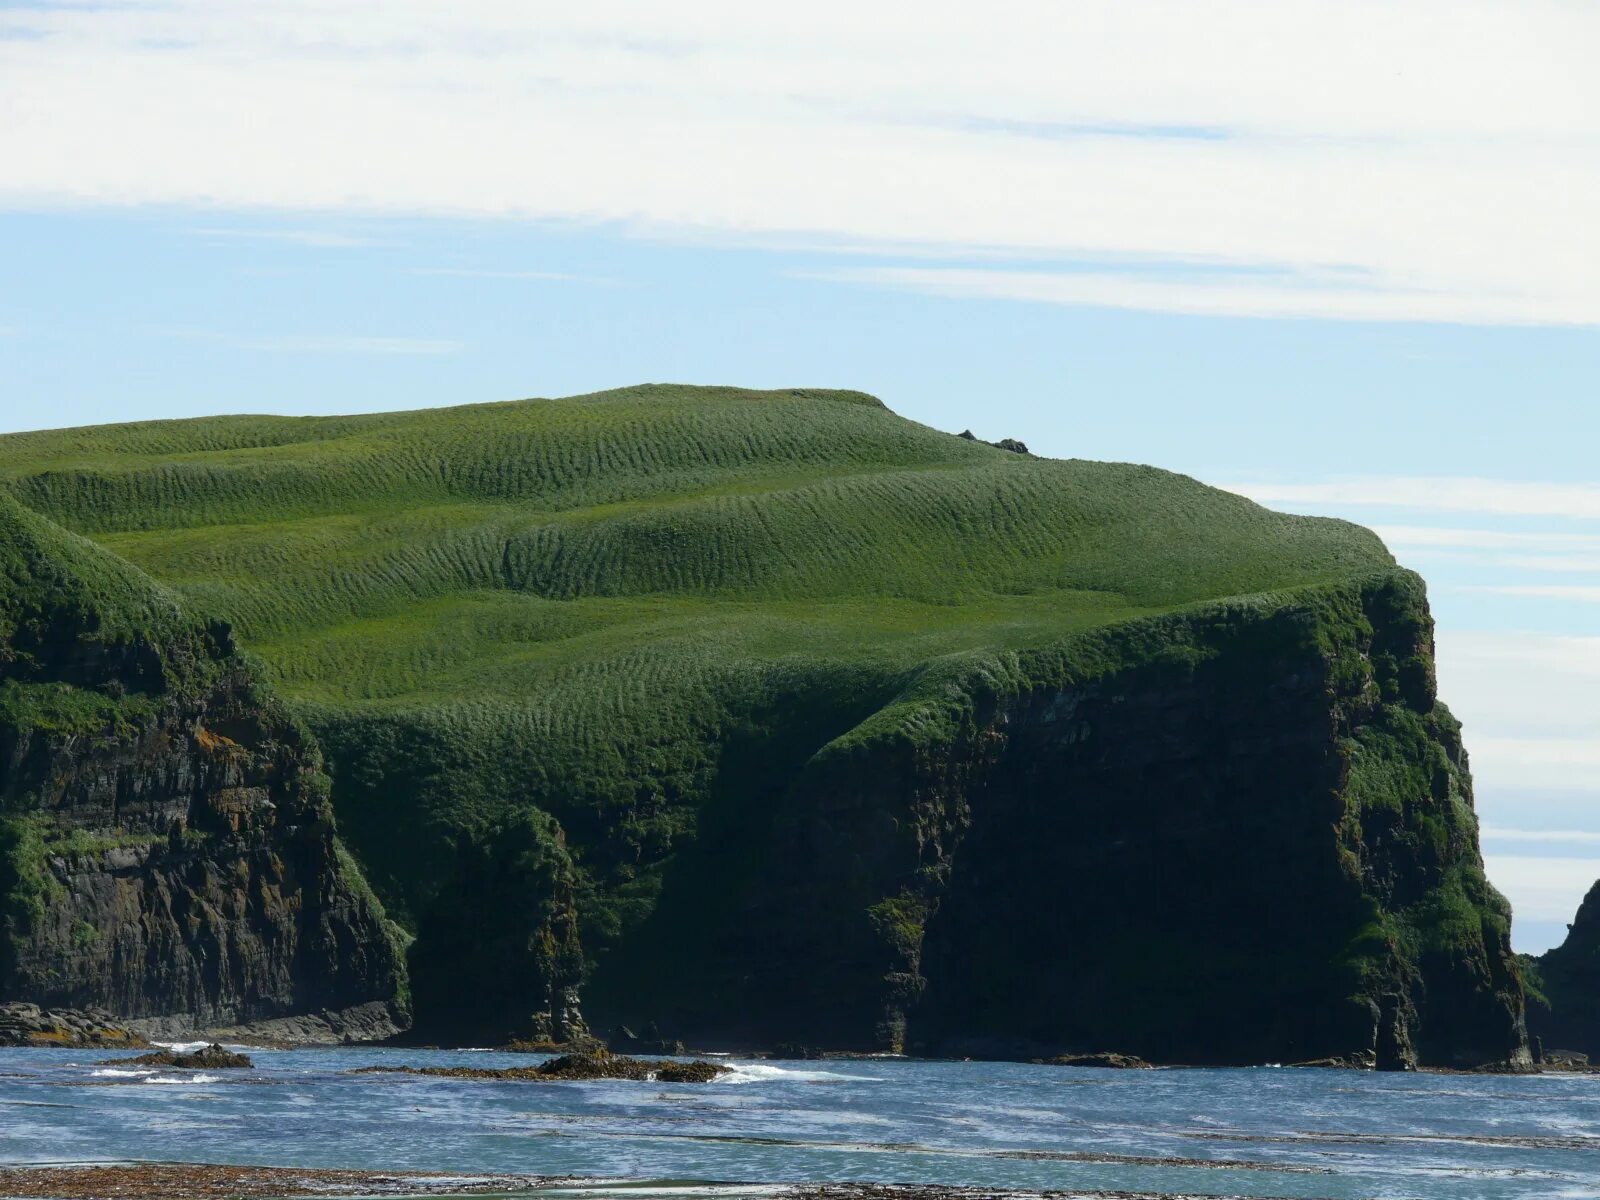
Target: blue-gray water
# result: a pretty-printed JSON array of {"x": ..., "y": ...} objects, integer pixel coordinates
[{"x": 1339, "y": 1133}]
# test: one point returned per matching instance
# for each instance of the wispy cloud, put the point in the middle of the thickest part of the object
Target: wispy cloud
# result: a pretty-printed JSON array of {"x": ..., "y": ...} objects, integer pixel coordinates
[
  {"x": 540, "y": 276},
  {"x": 1554, "y": 837},
  {"x": 325, "y": 343},
  {"x": 1312, "y": 294},
  {"x": 1543, "y": 888},
  {"x": 1545, "y": 591},
  {"x": 319, "y": 238},
  {"x": 1435, "y": 493},
  {"x": 1537, "y": 762},
  {"x": 1413, "y": 537},
  {"x": 1524, "y": 698},
  {"x": 1369, "y": 160}
]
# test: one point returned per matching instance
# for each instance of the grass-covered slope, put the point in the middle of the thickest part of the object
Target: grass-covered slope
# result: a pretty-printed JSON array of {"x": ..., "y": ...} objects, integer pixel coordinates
[{"x": 552, "y": 644}]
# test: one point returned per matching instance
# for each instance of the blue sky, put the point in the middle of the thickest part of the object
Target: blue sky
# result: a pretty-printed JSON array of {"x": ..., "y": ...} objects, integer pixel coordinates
[{"x": 1338, "y": 257}]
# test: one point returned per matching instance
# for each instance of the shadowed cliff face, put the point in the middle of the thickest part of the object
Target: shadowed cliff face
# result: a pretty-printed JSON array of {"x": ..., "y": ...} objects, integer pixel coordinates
[
  {"x": 166, "y": 844},
  {"x": 1565, "y": 1012},
  {"x": 1257, "y": 845}
]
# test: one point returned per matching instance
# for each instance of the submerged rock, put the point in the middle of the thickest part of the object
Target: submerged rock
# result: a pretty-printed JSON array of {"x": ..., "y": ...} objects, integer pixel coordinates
[{"x": 211, "y": 1058}]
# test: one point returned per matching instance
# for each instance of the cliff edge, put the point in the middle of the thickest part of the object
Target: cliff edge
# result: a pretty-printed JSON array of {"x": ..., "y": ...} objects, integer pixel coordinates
[{"x": 167, "y": 849}]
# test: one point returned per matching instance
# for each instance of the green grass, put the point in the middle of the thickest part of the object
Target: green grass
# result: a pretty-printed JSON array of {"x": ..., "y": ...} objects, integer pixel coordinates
[{"x": 579, "y": 604}]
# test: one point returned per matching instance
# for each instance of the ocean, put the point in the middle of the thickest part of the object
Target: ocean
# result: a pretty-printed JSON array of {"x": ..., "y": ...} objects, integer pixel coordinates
[{"x": 1000, "y": 1126}]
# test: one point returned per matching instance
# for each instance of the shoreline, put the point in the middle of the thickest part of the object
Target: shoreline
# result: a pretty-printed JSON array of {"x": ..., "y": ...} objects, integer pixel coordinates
[{"x": 214, "y": 1181}]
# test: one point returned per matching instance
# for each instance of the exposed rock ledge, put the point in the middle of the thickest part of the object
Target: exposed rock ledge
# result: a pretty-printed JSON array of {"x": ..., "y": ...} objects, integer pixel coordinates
[
  {"x": 30, "y": 1025},
  {"x": 372, "y": 1022}
]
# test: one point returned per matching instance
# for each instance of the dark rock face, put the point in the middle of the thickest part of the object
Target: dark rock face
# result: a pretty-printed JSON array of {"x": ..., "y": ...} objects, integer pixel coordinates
[
  {"x": 187, "y": 868},
  {"x": 510, "y": 901},
  {"x": 1564, "y": 1001},
  {"x": 1257, "y": 845},
  {"x": 167, "y": 850}
]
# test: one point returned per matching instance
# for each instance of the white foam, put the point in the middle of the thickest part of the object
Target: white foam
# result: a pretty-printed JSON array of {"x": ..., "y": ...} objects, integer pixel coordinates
[
  {"x": 182, "y": 1047},
  {"x": 190, "y": 1079},
  {"x": 120, "y": 1073},
  {"x": 765, "y": 1073}
]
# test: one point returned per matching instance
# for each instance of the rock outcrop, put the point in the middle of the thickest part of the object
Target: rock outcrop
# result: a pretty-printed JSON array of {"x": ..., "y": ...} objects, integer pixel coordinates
[
  {"x": 1564, "y": 991},
  {"x": 1240, "y": 835},
  {"x": 207, "y": 1058},
  {"x": 23, "y": 1024},
  {"x": 167, "y": 849},
  {"x": 597, "y": 1064}
]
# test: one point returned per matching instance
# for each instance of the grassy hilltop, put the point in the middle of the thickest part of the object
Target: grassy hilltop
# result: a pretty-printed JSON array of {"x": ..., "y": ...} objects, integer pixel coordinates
[
  {"x": 603, "y": 626},
  {"x": 520, "y": 552}
]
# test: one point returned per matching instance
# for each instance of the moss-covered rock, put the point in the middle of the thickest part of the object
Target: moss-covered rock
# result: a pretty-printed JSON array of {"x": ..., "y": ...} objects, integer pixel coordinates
[{"x": 167, "y": 848}]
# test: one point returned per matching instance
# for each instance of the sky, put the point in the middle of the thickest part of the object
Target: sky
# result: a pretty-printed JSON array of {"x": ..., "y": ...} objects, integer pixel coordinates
[{"x": 1341, "y": 257}]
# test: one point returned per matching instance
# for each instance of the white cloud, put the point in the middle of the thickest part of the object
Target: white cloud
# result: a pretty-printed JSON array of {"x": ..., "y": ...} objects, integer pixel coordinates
[
  {"x": 1309, "y": 294},
  {"x": 327, "y": 343},
  {"x": 470, "y": 273},
  {"x": 1530, "y": 704},
  {"x": 1557, "y": 837},
  {"x": 1535, "y": 762},
  {"x": 318, "y": 238},
  {"x": 1552, "y": 591},
  {"x": 1574, "y": 563},
  {"x": 1433, "y": 160},
  {"x": 1542, "y": 888},
  {"x": 1435, "y": 493}
]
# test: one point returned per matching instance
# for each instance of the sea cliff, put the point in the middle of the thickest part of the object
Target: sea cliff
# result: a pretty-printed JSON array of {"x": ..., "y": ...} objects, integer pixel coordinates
[
  {"x": 167, "y": 848},
  {"x": 761, "y": 718}
]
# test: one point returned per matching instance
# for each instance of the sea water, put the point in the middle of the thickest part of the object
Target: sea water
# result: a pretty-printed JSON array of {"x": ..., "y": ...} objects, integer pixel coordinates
[{"x": 1255, "y": 1132}]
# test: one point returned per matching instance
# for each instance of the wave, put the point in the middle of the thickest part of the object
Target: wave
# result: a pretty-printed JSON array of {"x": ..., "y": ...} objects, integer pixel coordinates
[
  {"x": 119, "y": 1073},
  {"x": 765, "y": 1073}
]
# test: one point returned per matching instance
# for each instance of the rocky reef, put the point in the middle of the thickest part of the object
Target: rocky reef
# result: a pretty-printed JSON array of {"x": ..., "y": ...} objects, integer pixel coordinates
[
  {"x": 167, "y": 849},
  {"x": 593, "y": 1064},
  {"x": 207, "y": 1058}
]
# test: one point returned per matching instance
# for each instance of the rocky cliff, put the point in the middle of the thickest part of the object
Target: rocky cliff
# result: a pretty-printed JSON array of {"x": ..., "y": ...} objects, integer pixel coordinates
[
  {"x": 1564, "y": 996},
  {"x": 1239, "y": 835},
  {"x": 167, "y": 849}
]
